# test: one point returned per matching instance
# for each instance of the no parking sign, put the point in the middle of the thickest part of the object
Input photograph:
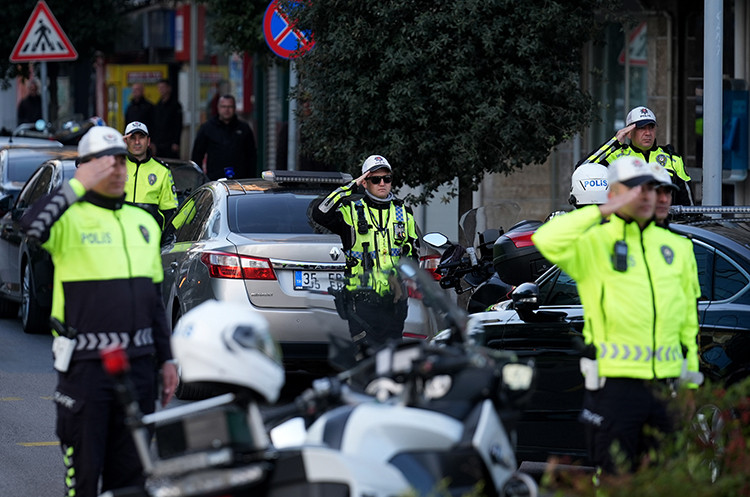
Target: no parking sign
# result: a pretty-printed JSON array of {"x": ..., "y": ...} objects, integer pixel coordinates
[{"x": 282, "y": 37}]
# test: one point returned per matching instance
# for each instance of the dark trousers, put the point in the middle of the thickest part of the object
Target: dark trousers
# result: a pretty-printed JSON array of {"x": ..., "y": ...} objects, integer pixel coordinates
[
  {"x": 90, "y": 424},
  {"x": 378, "y": 319},
  {"x": 624, "y": 413}
]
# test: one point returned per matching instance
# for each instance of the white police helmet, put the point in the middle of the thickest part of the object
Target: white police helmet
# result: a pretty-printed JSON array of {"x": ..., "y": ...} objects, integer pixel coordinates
[
  {"x": 589, "y": 185},
  {"x": 100, "y": 141},
  {"x": 228, "y": 344}
]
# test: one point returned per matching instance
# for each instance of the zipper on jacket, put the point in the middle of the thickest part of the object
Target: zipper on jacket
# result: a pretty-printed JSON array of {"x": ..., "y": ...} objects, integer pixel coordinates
[
  {"x": 653, "y": 305},
  {"x": 118, "y": 215}
]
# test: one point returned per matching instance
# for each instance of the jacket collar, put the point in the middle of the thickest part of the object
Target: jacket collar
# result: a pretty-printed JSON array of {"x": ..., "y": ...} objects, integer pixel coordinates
[{"x": 98, "y": 200}]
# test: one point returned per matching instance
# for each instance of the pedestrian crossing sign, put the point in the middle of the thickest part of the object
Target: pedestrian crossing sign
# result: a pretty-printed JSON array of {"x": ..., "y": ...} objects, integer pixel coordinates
[{"x": 42, "y": 39}]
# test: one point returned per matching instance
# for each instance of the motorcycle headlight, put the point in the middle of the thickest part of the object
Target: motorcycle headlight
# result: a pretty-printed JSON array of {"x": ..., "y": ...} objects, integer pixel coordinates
[{"x": 518, "y": 377}]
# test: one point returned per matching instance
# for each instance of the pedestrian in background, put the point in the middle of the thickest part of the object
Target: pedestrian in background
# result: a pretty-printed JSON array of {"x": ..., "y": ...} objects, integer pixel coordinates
[
  {"x": 638, "y": 284},
  {"x": 640, "y": 128},
  {"x": 150, "y": 184},
  {"x": 140, "y": 108},
  {"x": 376, "y": 232},
  {"x": 225, "y": 145},
  {"x": 30, "y": 107},
  {"x": 106, "y": 291},
  {"x": 167, "y": 129}
]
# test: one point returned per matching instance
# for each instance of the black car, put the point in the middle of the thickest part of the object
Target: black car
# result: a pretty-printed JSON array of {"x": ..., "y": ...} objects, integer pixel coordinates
[
  {"x": 26, "y": 270},
  {"x": 552, "y": 335},
  {"x": 18, "y": 163}
]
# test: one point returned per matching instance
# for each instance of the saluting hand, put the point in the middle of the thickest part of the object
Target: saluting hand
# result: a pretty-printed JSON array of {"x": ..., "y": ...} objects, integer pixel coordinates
[
  {"x": 624, "y": 133},
  {"x": 92, "y": 172},
  {"x": 361, "y": 180},
  {"x": 616, "y": 202}
]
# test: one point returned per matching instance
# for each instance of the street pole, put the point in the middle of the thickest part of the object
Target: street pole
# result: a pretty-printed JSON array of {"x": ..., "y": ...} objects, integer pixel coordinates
[{"x": 713, "y": 39}]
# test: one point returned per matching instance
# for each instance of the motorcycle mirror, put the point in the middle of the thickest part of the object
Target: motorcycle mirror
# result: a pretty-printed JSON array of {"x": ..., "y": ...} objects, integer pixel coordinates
[
  {"x": 437, "y": 240},
  {"x": 433, "y": 296}
]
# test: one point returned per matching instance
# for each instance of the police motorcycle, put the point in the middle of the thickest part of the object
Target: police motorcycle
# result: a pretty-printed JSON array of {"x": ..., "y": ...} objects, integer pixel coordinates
[
  {"x": 219, "y": 446},
  {"x": 441, "y": 414},
  {"x": 67, "y": 130}
]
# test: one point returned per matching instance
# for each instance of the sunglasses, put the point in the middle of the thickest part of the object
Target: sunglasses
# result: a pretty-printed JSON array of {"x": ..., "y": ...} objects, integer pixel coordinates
[{"x": 375, "y": 180}]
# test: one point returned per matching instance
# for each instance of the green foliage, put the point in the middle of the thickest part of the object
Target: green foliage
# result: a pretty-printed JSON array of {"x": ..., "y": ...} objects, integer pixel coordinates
[
  {"x": 690, "y": 463},
  {"x": 90, "y": 25},
  {"x": 443, "y": 89},
  {"x": 238, "y": 24}
]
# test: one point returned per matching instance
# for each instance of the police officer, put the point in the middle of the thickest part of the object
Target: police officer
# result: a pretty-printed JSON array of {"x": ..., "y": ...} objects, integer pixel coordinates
[
  {"x": 376, "y": 231},
  {"x": 639, "y": 287},
  {"x": 150, "y": 184},
  {"x": 106, "y": 291},
  {"x": 640, "y": 127},
  {"x": 664, "y": 191}
]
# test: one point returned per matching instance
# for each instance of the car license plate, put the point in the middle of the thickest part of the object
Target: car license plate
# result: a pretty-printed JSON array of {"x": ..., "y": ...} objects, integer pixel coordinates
[{"x": 318, "y": 281}]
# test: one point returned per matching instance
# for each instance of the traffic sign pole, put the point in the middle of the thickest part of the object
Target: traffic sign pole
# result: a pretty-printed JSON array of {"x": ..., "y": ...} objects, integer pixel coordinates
[{"x": 45, "y": 93}]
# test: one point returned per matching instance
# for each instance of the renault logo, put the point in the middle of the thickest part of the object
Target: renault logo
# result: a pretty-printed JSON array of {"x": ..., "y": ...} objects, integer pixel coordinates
[{"x": 335, "y": 253}]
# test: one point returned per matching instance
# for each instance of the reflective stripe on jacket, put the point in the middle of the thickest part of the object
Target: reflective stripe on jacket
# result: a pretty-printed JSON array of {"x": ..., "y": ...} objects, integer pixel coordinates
[
  {"x": 670, "y": 161},
  {"x": 640, "y": 319}
]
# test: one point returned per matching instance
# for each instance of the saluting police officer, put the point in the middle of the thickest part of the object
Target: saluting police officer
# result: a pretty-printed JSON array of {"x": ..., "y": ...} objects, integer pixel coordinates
[
  {"x": 376, "y": 231},
  {"x": 639, "y": 288},
  {"x": 106, "y": 291},
  {"x": 150, "y": 184},
  {"x": 640, "y": 128}
]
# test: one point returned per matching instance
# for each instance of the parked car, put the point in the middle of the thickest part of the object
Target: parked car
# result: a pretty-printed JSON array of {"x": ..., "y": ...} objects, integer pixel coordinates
[
  {"x": 552, "y": 335},
  {"x": 26, "y": 270},
  {"x": 17, "y": 164},
  {"x": 252, "y": 241}
]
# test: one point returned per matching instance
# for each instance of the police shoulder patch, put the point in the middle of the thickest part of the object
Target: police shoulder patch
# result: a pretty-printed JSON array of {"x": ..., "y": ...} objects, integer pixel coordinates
[
  {"x": 151, "y": 179},
  {"x": 661, "y": 159},
  {"x": 667, "y": 253}
]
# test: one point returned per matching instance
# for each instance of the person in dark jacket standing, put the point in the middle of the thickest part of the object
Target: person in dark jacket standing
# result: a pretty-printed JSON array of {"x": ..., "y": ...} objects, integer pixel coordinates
[
  {"x": 139, "y": 108},
  {"x": 106, "y": 292},
  {"x": 226, "y": 143},
  {"x": 167, "y": 128},
  {"x": 30, "y": 108}
]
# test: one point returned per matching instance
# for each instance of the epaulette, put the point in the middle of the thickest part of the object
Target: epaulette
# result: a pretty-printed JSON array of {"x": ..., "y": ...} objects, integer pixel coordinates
[{"x": 160, "y": 162}]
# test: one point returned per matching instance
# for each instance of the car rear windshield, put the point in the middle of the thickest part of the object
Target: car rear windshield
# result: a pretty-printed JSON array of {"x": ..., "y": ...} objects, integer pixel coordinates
[
  {"x": 22, "y": 166},
  {"x": 271, "y": 213}
]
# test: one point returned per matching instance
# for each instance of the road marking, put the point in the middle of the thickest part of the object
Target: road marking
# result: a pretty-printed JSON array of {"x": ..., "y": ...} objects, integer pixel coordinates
[
  {"x": 10, "y": 398},
  {"x": 38, "y": 444}
]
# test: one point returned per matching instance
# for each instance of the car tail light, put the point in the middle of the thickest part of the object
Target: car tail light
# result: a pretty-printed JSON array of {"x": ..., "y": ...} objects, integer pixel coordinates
[
  {"x": 223, "y": 265},
  {"x": 430, "y": 264},
  {"x": 521, "y": 238}
]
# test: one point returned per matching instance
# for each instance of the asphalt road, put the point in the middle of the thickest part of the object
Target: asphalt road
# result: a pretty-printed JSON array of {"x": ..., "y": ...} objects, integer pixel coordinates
[
  {"x": 30, "y": 454},
  {"x": 30, "y": 458}
]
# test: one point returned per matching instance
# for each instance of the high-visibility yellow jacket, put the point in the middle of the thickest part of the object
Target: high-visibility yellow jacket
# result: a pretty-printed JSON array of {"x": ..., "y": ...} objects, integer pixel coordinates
[
  {"x": 375, "y": 235},
  {"x": 639, "y": 319},
  {"x": 108, "y": 271},
  {"x": 150, "y": 186}
]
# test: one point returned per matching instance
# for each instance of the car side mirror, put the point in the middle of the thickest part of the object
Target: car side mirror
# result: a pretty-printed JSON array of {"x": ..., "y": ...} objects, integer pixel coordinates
[{"x": 526, "y": 300}]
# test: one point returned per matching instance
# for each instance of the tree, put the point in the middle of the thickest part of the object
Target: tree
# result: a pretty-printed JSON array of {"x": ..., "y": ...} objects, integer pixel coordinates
[
  {"x": 90, "y": 25},
  {"x": 443, "y": 89},
  {"x": 238, "y": 24}
]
